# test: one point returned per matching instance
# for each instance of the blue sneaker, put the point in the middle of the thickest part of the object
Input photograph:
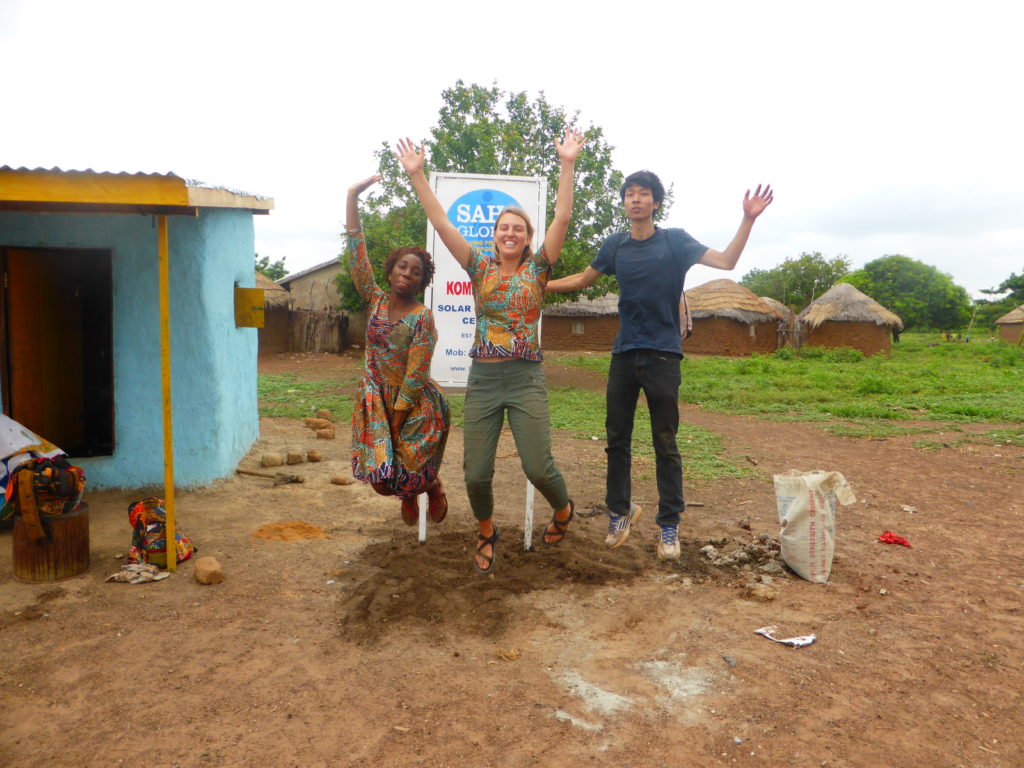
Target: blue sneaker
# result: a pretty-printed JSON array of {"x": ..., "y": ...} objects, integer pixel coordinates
[
  {"x": 668, "y": 546},
  {"x": 618, "y": 526}
]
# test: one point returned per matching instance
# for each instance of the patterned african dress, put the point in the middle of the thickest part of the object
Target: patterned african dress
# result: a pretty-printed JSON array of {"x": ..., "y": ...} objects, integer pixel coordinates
[{"x": 395, "y": 378}]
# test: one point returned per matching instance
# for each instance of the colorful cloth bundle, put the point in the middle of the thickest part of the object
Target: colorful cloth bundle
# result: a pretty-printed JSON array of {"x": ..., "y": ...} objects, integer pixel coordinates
[{"x": 149, "y": 534}]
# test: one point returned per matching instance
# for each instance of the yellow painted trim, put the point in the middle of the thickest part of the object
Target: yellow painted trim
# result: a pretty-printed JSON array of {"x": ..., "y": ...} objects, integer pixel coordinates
[
  {"x": 92, "y": 192},
  {"x": 90, "y": 187},
  {"x": 165, "y": 379}
]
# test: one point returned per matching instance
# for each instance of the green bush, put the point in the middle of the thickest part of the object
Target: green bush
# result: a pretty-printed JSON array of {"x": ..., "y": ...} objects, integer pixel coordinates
[{"x": 844, "y": 355}]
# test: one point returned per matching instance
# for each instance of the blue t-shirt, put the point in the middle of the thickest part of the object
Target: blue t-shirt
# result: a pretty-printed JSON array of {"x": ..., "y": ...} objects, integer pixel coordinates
[{"x": 651, "y": 275}]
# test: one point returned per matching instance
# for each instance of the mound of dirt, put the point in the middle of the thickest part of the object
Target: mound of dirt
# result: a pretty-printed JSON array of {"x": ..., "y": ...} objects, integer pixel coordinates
[{"x": 397, "y": 583}]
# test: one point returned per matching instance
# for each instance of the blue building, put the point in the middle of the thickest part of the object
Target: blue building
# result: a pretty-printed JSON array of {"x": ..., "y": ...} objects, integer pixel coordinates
[{"x": 82, "y": 342}]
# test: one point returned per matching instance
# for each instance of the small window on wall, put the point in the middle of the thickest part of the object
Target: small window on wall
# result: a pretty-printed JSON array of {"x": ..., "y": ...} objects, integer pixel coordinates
[{"x": 577, "y": 327}]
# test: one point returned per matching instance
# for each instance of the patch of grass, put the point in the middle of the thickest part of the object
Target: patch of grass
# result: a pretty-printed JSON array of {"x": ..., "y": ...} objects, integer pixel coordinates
[
  {"x": 290, "y": 397},
  {"x": 924, "y": 379},
  {"x": 873, "y": 429},
  {"x": 930, "y": 445},
  {"x": 1013, "y": 436},
  {"x": 583, "y": 413}
]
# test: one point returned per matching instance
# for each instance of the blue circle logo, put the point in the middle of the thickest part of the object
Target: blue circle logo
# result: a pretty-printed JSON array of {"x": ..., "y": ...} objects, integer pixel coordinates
[{"x": 475, "y": 213}]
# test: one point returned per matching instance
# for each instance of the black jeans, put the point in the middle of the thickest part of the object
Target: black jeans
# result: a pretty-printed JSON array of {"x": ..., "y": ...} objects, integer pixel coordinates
[{"x": 657, "y": 374}]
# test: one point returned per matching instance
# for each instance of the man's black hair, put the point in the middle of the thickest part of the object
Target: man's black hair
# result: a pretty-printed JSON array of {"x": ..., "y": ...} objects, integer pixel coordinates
[{"x": 647, "y": 180}]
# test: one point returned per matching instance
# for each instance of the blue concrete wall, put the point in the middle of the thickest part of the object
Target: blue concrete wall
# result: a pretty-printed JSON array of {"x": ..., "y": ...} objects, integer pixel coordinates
[{"x": 213, "y": 363}]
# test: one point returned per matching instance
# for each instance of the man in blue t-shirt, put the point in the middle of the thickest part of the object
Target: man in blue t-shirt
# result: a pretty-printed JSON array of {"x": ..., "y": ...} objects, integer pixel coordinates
[{"x": 650, "y": 264}]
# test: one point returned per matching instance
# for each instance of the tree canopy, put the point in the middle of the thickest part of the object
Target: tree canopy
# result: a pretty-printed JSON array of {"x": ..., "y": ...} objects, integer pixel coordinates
[
  {"x": 274, "y": 270},
  {"x": 491, "y": 131},
  {"x": 1015, "y": 285},
  {"x": 990, "y": 310},
  {"x": 797, "y": 282},
  {"x": 921, "y": 295}
]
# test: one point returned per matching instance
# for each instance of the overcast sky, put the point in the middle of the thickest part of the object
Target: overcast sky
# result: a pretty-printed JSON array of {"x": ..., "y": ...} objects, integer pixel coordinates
[{"x": 884, "y": 127}]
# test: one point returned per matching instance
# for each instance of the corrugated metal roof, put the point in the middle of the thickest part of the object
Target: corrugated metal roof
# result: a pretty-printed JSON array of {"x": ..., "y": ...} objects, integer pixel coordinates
[
  {"x": 97, "y": 191},
  {"x": 335, "y": 262},
  {"x": 197, "y": 183},
  {"x": 55, "y": 169}
]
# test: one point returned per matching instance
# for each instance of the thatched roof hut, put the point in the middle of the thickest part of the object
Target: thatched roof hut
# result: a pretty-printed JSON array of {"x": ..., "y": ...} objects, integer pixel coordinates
[
  {"x": 588, "y": 324},
  {"x": 1011, "y": 325},
  {"x": 728, "y": 319},
  {"x": 275, "y": 335},
  {"x": 785, "y": 326},
  {"x": 584, "y": 307},
  {"x": 778, "y": 306},
  {"x": 274, "y": 296},
  {"x": 845, "y": 317}
]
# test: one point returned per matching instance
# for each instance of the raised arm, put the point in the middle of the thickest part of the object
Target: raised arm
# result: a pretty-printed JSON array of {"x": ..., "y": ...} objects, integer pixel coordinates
[
  {"x": 567, "y": 149},
  {"x": 357, "y": 262},
  {"x": 752, "y": 208},
  {"x": 352, "y": 205},
  {"x": 577, "y": 282},
  {"x": 412, "y": 160}
]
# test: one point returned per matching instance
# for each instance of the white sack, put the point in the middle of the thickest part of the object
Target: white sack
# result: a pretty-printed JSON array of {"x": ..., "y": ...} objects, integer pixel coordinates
[{"x": 807, "y": 514}]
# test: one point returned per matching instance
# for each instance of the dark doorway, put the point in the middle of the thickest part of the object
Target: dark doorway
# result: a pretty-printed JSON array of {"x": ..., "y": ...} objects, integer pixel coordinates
[{"x": 56, "y": 358}]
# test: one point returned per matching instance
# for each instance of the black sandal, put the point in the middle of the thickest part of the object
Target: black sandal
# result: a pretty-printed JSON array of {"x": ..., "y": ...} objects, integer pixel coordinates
[
  {"x": 561, "y": 526},
  {"x": 483, "y": 541}
]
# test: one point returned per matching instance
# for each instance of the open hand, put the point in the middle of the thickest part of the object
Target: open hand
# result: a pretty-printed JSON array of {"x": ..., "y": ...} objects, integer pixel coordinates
[
  {"x": 361, "y": 186},
  {"x": 411, "y": 159},
  {"x": 569, "y": 147},
  {"x": 754, "y": 206}
]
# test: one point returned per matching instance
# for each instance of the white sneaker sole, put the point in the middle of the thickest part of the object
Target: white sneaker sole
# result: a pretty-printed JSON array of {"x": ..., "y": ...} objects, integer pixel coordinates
[
  {"x": 618, "y": 539},
  {"x": 668, "y": 553}
]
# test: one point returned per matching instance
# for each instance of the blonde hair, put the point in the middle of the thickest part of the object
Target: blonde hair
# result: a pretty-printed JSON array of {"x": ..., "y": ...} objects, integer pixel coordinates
[{"x": 517, "y": 211}]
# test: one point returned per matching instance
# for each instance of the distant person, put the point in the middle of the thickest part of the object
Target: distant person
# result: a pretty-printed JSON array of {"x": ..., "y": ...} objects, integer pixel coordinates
[
  {"x": 400, "y": 418},
  {"x": 895, "y": 333},
  {"x": 650, "y": 264},
  {"x": 506, "y": 372}
]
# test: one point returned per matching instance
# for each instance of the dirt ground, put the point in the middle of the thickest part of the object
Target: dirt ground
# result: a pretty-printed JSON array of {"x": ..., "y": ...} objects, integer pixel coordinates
[{"x": 348, "y": 643}]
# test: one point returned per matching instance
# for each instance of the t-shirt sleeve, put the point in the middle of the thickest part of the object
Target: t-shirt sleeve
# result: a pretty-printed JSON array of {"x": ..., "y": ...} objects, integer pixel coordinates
[
  {"x": 688, "y": 248},
  {"x": 476, "y": 261},
  {"x": 604, "y": 262},
  {"x": 541, "y": 267}
]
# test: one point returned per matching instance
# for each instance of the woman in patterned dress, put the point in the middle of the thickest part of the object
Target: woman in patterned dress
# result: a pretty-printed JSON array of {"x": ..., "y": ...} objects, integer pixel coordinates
[
  {"x": 506, "y": 375},
  {"x": 400, "y": 417}
]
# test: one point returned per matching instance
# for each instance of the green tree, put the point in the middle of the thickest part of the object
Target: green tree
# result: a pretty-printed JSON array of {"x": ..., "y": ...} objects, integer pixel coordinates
[
  {"x": 274, "y": 270},
  {"x": 797, "y": 282},
  {"x": 488, "y": 130},
  {"x": 990, "y": 310},
  {"x": 923, "y": 297}
]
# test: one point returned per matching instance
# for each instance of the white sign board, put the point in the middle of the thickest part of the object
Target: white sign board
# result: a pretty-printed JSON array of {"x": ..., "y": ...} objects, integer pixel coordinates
[{"x": 472, "y": 202}]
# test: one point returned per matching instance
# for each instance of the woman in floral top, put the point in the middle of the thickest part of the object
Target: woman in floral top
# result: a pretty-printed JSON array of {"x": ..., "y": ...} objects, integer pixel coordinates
[
  {"x": 506, "y": 374},
  {"x": 400, "y": 418}
]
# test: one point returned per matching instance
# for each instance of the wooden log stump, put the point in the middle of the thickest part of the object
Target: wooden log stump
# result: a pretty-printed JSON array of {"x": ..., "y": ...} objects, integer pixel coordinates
[{"x": 61, "y": 555}]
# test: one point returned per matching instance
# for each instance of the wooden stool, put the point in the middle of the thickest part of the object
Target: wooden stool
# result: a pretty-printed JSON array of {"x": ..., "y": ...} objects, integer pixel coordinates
[{"x": 61, "y": 555}]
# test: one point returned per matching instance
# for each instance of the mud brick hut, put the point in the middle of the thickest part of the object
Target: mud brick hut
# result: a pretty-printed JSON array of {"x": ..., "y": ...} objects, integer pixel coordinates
[
  {"x": 317, "y": 322},
  {"x": 785, "y": 326},
  {"x": 275, "y": 335},
  {"x": 119, "y": 319},
  {"x": 584, "y": 324},
  {"x": 1011, "y": 325},
  {"x": 845, "y": 317},
  {"x": 730, "y": 320}
]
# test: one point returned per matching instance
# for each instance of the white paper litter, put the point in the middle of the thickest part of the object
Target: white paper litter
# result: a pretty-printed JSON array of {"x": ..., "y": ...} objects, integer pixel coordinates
[
  {"x": 138, "y": 573},
  {"x": 796, "y": 642}
]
